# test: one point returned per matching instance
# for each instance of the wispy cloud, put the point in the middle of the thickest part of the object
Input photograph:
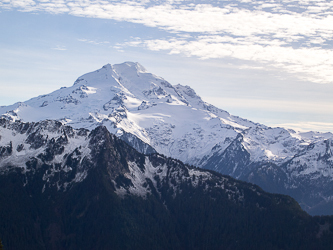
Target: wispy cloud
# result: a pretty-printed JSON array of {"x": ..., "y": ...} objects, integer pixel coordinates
[
  {"x": 93, "y": 41},
  {"x": 274, "y": 105},
  {"x": 295, "y": 36},
  {"x": 288, "y": 108},
  {"x": 308, "y": 126},
  {"x": 313, "y": 64},
  {"x": 59, "y": 47}
]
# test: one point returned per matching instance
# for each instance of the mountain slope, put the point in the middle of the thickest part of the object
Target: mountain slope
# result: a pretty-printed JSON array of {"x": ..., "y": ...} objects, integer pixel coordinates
[
  {"x": 150, "y": 114},
  {"x": 106, "y": 195}
]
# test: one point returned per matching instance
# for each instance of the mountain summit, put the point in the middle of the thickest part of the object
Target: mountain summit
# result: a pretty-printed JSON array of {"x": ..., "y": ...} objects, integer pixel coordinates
[
  {"x": 152, "y": 115},
  {"x": 126, "y": 99}
]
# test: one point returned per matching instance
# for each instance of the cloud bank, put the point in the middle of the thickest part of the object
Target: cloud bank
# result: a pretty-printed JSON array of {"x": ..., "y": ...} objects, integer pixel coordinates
[{"x": 294, "y": 36}]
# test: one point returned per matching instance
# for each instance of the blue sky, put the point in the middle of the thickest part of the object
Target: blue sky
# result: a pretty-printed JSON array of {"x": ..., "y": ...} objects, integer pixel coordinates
[{"x": 267, "y": 61}]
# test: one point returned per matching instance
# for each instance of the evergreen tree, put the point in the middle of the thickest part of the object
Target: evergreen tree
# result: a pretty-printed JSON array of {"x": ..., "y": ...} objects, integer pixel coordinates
[{"x": 1, "y": 246}]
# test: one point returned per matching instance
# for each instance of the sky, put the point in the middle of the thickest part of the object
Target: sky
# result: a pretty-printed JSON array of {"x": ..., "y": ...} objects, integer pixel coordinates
[{"x": 267, "y": 61}]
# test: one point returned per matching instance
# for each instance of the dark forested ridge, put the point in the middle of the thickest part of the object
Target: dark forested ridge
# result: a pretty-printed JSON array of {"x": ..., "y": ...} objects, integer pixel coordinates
[{"x": 180, "y": 207}]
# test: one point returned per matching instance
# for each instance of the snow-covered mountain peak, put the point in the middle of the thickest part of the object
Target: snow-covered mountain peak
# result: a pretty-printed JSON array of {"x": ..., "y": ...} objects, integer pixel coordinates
[
  {"x": 172, "y": 119},
  {"x": 126, "y": 98},
  {"x": 129, "y": 78},
  {"x": 151, "y": 114}
]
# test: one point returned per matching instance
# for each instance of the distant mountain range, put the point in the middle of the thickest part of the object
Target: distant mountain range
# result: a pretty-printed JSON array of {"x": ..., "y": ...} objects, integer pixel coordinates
[
  {"x": 65, "y": 188},
  {"x": 152, "y": 115}
]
